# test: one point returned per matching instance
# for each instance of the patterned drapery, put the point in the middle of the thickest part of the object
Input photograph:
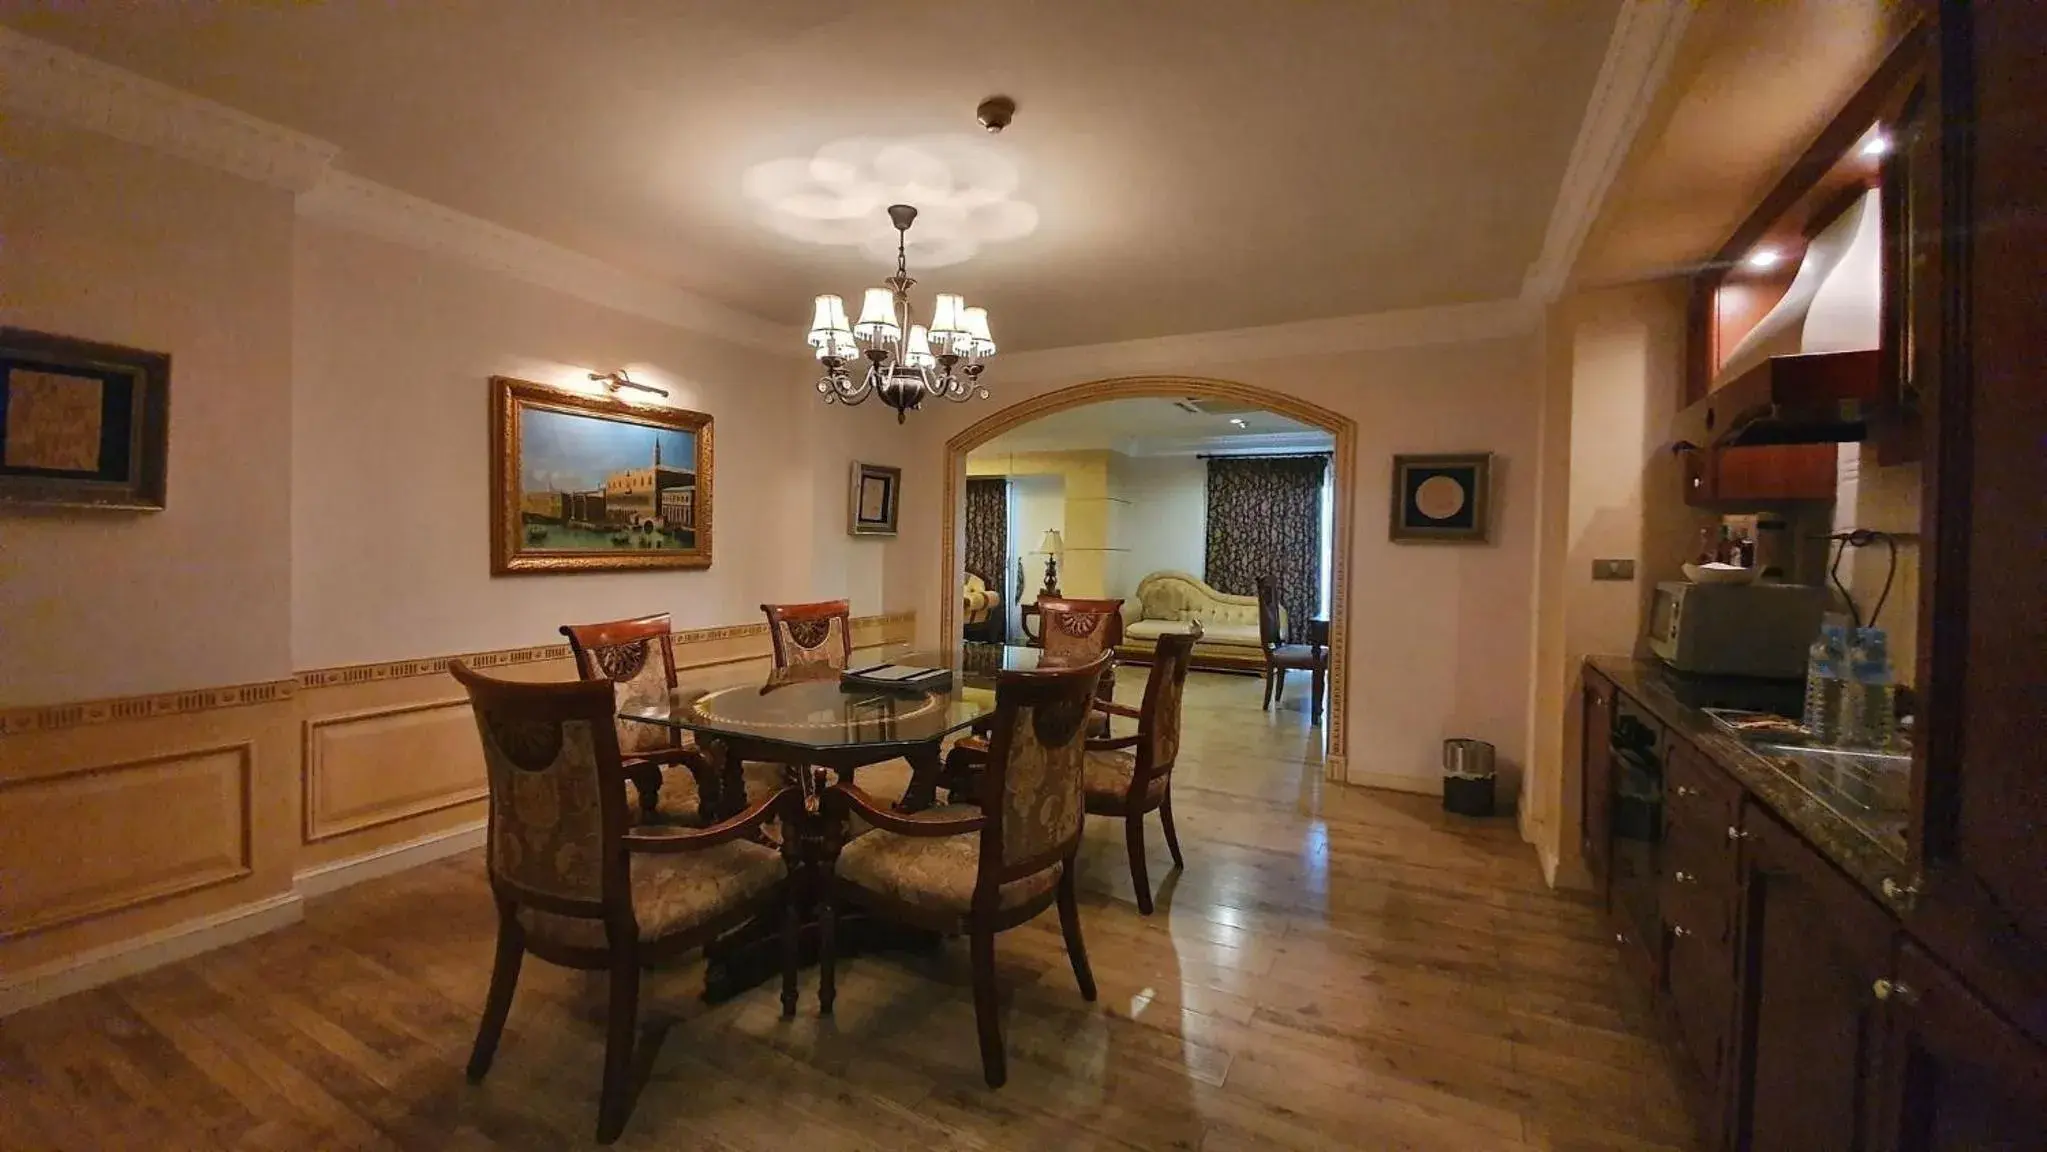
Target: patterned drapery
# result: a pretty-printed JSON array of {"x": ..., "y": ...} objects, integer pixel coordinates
[
  {"x": 988, "y": 532},
  {"x": 1265, "y": 519}
]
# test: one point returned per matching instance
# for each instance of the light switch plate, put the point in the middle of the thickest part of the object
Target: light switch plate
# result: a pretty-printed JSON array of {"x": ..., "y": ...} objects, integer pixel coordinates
[{"x": 1613, "y": 569}]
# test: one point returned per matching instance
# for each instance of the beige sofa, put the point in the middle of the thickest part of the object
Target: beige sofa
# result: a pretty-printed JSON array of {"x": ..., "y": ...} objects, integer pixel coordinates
[{"x": 1170, "y": 601}]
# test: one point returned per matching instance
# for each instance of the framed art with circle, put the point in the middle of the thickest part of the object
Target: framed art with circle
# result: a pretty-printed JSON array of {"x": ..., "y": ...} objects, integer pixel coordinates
[{"x": 1442, "y": 497}]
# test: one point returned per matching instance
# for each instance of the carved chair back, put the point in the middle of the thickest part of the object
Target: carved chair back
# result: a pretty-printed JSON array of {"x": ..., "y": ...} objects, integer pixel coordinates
[
  {"x": 1079, "y": 629},
  {"x": 638, "y": 657},
  {"x": 1032, "y": 789},
  {"x": 1159, "y": 715},
  {"x": 820, "y": 633},
  {"x": 1271, "y": 617},
  {"x": 557, "y": 794}
]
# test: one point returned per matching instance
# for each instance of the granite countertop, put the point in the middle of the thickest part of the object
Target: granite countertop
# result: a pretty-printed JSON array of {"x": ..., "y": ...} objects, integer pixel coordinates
[{"x": 1866, "y": 843}]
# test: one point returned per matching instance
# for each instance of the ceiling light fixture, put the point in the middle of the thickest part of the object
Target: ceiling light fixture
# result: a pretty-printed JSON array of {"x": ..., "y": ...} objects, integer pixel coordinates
[
  {"x": 1237, "y": 420},
  {"x": 906, "y": 362},
  {"x": 1764, "y": 258}
]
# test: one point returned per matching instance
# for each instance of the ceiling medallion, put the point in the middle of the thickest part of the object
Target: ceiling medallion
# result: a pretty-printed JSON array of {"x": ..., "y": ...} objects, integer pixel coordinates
[{"x": 906, "y": 361}]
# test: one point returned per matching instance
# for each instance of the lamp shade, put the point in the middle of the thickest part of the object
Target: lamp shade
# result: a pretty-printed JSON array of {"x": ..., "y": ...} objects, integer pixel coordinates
[
  {"x": 946, "y": 319},
  {"x": 878, "y": 316},
  {"x": 1053, "y": 544},
  {"x": 828, "y": 315},
  {"x": 980, "y": 342},
  {"x": 834, "y": 345},
  {"x": 917, "y": 349}
]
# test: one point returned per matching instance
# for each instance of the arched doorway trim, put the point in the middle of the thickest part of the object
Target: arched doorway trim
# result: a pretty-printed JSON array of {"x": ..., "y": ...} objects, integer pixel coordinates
[{"x": 1343, "y": 514}]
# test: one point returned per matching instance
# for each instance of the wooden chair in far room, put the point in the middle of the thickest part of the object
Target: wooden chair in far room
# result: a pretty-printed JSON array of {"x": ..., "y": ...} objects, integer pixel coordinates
[
  {"x": 576, "y": 887},
  {"x": 638, "y": 658},
  {"x": 1129, "y": 776},
  {"x": 820, "y": 633},
  {"x": 1282, "y": 657},
  {"x": 963, "y": 870}
]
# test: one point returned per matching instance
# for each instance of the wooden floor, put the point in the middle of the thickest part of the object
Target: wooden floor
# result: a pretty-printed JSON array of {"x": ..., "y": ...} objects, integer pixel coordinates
[{"x": 1336, "y": 968}]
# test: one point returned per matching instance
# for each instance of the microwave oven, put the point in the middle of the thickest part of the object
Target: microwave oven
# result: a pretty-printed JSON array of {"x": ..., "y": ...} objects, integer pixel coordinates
[{"x": 1762, "y": 630}]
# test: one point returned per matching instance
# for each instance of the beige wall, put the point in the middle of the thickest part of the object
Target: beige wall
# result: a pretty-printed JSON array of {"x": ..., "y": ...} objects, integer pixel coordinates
[
  {"x": 393, "y": 351},
  {"x": 110, "y": 242},
  {"x": 1088, "y": 517},
  {"x": 1439, "y": 633},
  {"x": 1612, "y": 364},
  {"x": 182, "y": 754}
]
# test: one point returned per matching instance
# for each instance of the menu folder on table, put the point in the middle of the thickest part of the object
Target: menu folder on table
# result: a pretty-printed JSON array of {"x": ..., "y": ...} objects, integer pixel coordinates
[{"x": 896, "y": 678}]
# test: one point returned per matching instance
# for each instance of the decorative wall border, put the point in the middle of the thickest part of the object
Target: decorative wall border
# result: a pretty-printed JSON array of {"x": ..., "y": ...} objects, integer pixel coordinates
[
  {"x": 1343, "y": 515},
  {"x": 84, "y": 713}
]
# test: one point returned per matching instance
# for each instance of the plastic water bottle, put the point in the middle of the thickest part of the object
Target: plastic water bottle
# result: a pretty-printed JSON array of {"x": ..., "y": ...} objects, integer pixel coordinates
[
  {"x": 1823, "y": 683},
  {"x": 1869, "y": 716}
]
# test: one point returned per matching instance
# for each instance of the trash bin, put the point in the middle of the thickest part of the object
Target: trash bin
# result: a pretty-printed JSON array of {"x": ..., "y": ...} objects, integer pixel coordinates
[{"x": 1468, "y": 777}]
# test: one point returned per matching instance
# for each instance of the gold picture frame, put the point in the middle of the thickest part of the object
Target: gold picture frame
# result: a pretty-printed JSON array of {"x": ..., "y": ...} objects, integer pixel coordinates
[
  {"x": 82, "y": 424},
  {"x": 1442, "y": 498},
  {"x": 569, "y": 492},
  {"x": 875, "y": 500}
]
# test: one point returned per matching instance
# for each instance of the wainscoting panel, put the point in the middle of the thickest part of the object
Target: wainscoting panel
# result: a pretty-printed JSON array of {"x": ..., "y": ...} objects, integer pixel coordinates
[
  {"x": 98, "y": 840},
  {"x": 380, "y": 765}
]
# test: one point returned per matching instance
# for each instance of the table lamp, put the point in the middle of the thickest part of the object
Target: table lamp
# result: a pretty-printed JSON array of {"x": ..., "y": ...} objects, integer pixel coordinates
[{"x": 1052, "y": 545}]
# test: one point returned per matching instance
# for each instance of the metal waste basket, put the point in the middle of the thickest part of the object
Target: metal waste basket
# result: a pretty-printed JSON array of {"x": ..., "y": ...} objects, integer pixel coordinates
[{"x": 1468, "y": 777}]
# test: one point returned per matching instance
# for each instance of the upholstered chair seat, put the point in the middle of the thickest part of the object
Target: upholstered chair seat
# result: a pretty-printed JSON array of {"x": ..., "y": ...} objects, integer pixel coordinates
[
  {"x": 674, "y": 893},
  {"x": 1108, "y": 780},
  {"x": 934, "y": 873}
]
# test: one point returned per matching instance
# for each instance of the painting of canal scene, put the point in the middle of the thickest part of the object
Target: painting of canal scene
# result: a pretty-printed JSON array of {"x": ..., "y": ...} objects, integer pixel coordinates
[{"x": 589, "y": 483}]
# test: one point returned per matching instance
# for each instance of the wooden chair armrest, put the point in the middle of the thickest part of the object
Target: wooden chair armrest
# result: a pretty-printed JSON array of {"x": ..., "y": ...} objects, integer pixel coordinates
[
  {"x": 1114, "y": 743},
  {"x": 849, "y": 797},
  {"x": 697, "y": 839},
  {"x": 1115, "y": 709}
]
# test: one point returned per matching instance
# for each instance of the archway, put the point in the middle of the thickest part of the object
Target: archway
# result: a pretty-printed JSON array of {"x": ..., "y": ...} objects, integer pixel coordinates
[{"x": 1343, "y": 513}]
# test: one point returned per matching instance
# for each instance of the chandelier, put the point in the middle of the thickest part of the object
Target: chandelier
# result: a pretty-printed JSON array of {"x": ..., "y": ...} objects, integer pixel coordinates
[{"x": 906, "y": 361}]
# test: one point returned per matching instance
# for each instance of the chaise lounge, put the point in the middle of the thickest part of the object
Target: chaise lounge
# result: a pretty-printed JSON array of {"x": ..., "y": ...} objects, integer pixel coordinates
[{"x": 1169, "y": 602}]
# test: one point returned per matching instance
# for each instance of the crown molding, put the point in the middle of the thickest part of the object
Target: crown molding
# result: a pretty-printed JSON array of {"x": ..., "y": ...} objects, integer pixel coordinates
[
  {"x": 1638, "y": 58},
  {"x": 1406, "y": 328},
  {"x": 60, "y": 85},
  {"x": 348, "y": 201}
]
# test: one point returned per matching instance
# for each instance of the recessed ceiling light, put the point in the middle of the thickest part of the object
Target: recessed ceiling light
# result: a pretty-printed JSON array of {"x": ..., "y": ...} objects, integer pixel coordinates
[
  {"x": 1764, "y": 258},
  {"x": 1877, "y": 143},
  {"x": 1238, "y": 422}
]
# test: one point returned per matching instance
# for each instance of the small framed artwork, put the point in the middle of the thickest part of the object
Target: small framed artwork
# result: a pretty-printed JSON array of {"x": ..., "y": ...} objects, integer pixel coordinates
[
  {"x": 877, "y": 492},
  {"x": 584, "y": 483},
  {"x": 82, "y": 425},
  {"x": 1444, "y": 497}
]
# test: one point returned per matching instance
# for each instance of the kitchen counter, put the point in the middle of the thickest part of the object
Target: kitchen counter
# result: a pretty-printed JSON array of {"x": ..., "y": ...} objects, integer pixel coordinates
[{"x": 1866, "y": 843}]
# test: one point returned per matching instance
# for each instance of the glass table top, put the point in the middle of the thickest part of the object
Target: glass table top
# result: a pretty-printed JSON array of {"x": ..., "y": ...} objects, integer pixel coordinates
[{"x": 806, "y": 706}]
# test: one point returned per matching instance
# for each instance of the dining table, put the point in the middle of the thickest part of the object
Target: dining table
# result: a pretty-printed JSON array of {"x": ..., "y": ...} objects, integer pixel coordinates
[{"x": 813, "y": 719}]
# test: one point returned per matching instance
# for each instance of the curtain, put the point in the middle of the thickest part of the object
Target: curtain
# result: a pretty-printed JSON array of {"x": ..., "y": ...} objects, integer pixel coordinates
[
  {"x": 988, "y": 535},
  {"x": 1265, "y": 519}
]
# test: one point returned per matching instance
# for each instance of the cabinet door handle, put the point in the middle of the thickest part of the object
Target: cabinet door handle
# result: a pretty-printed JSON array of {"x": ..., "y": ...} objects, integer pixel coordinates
[
  {"x": 1684, "y": 791},
  {"x": 1680, "y": 931},
  {"x": 1898, "y": 990},
  {"x": 1684, "y": 877},
  {"x": 1734, "y": 833}
]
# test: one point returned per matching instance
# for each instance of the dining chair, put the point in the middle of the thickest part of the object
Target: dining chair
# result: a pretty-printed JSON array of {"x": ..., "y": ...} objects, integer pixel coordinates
[
  {"x": 820, "y": 633},
  {"x": 1069, "y": 630},
  {"x": 978, "y": 871},
  {"x": 638, "y": 657},
  {"x": 575, "y": 887},
  {"x": 1129, "y": 776},
  {"x": 1281, "y": 657}
]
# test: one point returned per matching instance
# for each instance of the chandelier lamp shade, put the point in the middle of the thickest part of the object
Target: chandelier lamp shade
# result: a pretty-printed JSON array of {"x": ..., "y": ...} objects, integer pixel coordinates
[{"x": 907, "y": 362}]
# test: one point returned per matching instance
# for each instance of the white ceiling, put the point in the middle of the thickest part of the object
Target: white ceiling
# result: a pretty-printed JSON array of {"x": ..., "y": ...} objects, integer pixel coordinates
[
  {"x": 1193, "y": 164},
  {"x": 1159, "y": 427}
]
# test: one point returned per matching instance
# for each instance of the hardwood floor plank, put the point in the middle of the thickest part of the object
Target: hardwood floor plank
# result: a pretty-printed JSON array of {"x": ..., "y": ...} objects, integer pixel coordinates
[{"x": 1335, "y": 969}]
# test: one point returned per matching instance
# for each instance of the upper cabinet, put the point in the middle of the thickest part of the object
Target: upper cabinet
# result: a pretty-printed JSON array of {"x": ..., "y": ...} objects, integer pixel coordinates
[{"x": 1802, "y": 326}]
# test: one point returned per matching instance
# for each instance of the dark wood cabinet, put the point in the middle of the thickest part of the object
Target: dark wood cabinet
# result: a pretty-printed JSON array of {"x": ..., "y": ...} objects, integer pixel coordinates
[
  {"x": 1760, "y": 476},
  {"x": 1959, "y": 1077},
  {"x": 1596, "y": 780},
  {"x": 1979, "y": 831},
  {"x": 1811, "y": 1040}
]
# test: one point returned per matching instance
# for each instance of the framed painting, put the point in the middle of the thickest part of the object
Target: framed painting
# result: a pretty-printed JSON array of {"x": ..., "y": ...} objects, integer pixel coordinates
[
  {"x": 583, "y": 483},
  {"x": 1445, "y": 497},
  {"x": 82, "y": 425},
  {"x": 877, "y": 493}
]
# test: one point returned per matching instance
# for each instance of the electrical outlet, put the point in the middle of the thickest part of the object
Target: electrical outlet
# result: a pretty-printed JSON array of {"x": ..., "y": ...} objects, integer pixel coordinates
[{"x": 1613, "y": 569}]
